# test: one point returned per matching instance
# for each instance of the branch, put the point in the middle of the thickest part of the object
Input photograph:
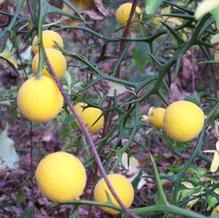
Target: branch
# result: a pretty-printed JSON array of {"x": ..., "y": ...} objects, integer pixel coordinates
[
  {"x": 126, "y": 31},
  {"x": 127, "y": 27}
]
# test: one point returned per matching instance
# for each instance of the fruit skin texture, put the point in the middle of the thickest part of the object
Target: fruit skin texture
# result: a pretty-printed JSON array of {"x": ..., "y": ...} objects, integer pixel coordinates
[
  {"x": 61, "y": 177},
  {"x": 122, "y": 187},
  {"x": 123, "y": 12},
  {"x": 183, "y": 120},
  {"x": 39, "y": 99},
  {"x": 91, "y": 116},
  {"x": 50, "y": 38},
  {"x": 56, "y": 59},
  {"x": 156, "y": 117}
]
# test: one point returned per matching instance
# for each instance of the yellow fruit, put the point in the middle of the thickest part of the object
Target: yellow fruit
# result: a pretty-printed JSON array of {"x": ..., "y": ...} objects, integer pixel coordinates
[
  {"x": 123, "y": 13},
  {"x": 91, "y": 116},
  {"x": 61, "y": 177},
  {"x": 81, "y": 4},
  {"x": 183, "y": 120},
  {"x": 50, "y": 40},
  {"x": 122, "y": 187},
  {"x": 39, "y": 99},
  {"x": 156, "y": 116},
  {"x": 56, "y": 59}
]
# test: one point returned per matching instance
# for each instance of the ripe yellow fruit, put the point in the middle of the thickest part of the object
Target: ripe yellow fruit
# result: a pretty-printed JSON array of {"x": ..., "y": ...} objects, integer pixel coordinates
[
  {"x": 39, "y": 99},
  {"x": 61, "y": 177},
  {"x": 156, "y": 116},
  {"x": 56, "y": 59},
  {"x": 183, "y": 120},
  {"x": 80, "y": 4},
  {"x": 122, "y": 187},
  {"x": 50, "y": 40},
  {"x": 91, "y": 116},
  {"x": 83, "y": 4},
  {"x": 123, "y": 13}
]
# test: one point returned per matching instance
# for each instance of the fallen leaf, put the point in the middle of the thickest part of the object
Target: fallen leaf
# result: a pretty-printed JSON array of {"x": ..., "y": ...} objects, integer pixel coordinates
[
  {"x": 6, "y": 54},
  {"x": 8, "y": 155},
  {"x": 100, "y": 7},
  {"x": 215, "y": 210},
  {"x": 215, "y": 162},
  {"x": 188, "y": 185},
  {"x": 116, "y": 89},
  {"x": 214, "y": 39},
  {"x": 191, "y": 203}
]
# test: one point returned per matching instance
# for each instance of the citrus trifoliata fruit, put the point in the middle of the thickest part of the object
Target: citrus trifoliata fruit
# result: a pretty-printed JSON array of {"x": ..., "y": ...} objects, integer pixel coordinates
[
  {"x": 91, "y": 116},
  {"x": 83, "y": 4},
  {"x": 155, "y": 117},
  {"x": 50, "y": 40},
  {"x": 57, "y": 61},
  {"x": 122, "y": 187},
  {"x": 183, "y": 120},
  {"x": 80, "y": 4},
  {"x": 61, "y": 177},
  {"x": 39, "y": 99},
  {"x": 123, "y": 13}
]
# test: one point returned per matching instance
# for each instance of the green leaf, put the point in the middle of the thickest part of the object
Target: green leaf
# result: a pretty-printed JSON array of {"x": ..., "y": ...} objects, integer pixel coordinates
[
  {"x": 194, "y": 97},
  {"x": 28, "y": 213},
  {"x": 152, "y": 6},
  {"x": 74, "y": 215},
  {"x": 215, "y": 14},
  {"x": 139, "y": 57},
  {"x": 212, "y": 201}
]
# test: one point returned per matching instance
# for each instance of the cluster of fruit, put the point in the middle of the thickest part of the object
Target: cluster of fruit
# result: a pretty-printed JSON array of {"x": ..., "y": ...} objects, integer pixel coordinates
[
  {"x": 39, "y": 98},
  {"x": 182, "y": 120},
  {"x": 61, "y": 177}
]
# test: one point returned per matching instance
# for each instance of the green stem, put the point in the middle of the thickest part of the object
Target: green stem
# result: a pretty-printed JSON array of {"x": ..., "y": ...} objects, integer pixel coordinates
[
  {"x": 91, "y": 203},
  {"x": 162, "y": 197},
  {"x": 186, "y": 166},
  {"x": 40, "y": 41},
  {"x": 160, "y": 208}
]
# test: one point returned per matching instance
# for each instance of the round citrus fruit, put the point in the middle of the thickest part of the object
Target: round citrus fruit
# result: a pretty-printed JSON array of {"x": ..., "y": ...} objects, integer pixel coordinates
[
  {"x": 183, "y": 120},
  {"x": 50, "y": 40},
  {"x": 83, "y": 4},
  {"x": 39, "y": 99},
  {"x": 80, "y": 4},
  {"x": 123, "y": 13},
  {"x": 61, "y": 177},
  {"x": 156, "y": 116},
  {"x": 91, "y": 116},
  {"x": 122, "y": 187},
  {"x": 57, "y": 61}
]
